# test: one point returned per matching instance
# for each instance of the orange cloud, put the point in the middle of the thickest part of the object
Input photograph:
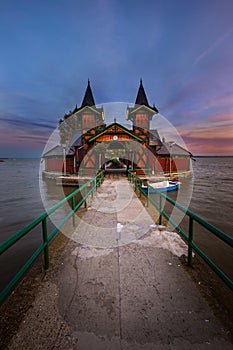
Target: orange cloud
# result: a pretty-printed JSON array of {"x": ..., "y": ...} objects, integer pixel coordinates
[
  {"x": 222, "y": 101},
  {"x": 210, "y": 150},
  {"x": 220, "y": 117},
  {"x": 208, "y": 132},
  {"x": 209, "y": 139}
]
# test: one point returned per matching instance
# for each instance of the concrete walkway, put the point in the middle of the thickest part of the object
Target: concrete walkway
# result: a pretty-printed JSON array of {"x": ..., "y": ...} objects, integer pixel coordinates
[{"x": 119, "y": 285}]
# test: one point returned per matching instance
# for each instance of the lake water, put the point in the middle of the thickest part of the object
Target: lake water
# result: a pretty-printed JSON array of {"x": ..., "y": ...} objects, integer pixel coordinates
[
  {"x": 20, "y": 202},
  {"x": 213, "y": 191},
  {"x": 212, "y": 199}
]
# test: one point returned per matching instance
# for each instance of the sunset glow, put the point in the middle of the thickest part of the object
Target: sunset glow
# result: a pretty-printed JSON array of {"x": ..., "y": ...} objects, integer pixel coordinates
[{"x": 183, "y": 52}]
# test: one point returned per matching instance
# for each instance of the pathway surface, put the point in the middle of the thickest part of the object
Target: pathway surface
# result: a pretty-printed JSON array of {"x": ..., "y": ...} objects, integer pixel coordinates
[{"x": 120, "y": 285}]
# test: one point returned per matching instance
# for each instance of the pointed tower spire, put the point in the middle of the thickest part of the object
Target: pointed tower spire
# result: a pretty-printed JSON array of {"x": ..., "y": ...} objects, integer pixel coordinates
[
  {"x": 141, "y": 98},
  {"x": 88, "y": 99}
]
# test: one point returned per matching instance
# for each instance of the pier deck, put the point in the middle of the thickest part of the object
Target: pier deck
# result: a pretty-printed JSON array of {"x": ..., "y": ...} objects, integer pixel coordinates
[{"x": 121, "y": 288}]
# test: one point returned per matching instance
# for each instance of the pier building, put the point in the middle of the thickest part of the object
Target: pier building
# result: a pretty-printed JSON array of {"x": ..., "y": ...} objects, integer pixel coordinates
[{"x": 88, "y": 144}]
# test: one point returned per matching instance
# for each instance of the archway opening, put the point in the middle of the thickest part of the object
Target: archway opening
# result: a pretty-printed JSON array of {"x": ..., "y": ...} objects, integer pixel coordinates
[{"x": 116, "y": 158}]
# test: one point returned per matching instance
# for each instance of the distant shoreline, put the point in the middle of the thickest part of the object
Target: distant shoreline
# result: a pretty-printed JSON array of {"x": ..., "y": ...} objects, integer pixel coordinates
[
  {"x": 212, "y": 156},
  {"x": 17, "y": 158}
]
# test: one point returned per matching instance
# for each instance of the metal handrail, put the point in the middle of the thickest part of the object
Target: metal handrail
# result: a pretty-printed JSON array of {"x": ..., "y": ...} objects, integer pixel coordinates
[
  {"x": 138, "y": 182},
  {"x": 88, "y": 188}
]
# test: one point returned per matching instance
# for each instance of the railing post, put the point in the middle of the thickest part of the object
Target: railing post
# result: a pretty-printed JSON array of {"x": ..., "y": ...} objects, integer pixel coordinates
[
  {"x": 147, "y": 195},
  {"x": 190, "y": 240},
  {"x": 85, "y": 195},
  {"x": 73, "y": 206},
  {"x": 45, "y": 240},
  {"x": 160, "y": 209},
  {"x": 92, "y": 188}
]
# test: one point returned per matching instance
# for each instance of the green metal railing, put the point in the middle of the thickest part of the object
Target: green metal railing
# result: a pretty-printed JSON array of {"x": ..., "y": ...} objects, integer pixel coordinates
[
  {"x": 138, "y": 182},
  {"x": 86, "y": 190}
]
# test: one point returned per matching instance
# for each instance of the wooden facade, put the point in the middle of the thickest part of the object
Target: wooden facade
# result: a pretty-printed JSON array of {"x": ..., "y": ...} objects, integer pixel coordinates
[{"x": 139, "y": 148}]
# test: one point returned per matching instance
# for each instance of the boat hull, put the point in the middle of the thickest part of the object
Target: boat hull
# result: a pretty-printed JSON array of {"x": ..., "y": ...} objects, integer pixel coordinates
[{"x": 173, "y": 186}]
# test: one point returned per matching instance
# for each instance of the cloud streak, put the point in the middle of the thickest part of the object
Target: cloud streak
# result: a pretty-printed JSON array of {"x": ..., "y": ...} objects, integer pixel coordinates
[
  {"x": 213, "y": 47},
  {"x": 23, "y": 135},
  {"x": 209, "y": 138},
  {"x": 25, "y": 124},
  {"x": 221, "y": 118}
]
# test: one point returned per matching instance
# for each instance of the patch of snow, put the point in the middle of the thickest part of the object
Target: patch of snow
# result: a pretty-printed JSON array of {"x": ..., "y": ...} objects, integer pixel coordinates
[
  {"x": 161, "y": 227},
  {"x": 153, "y": 225},
  {"x": 119, "y": 227},
  {"x": 166, "y": 240}
]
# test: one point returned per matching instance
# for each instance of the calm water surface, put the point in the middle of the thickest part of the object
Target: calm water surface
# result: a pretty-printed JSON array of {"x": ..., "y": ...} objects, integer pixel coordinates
[
  {"x": 20, "y": 195},
  {"x": 20, "y": 203},
  {"x": 213, "y": 191},
  {"x": 212, "y": 199}
]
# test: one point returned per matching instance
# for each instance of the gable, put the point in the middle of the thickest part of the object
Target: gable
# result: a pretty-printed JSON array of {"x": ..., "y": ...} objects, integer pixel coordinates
[
  {"x": 116, "y": 130},
  {"x": 90, "y": 109},
  {"x": 140, "y": 109}
]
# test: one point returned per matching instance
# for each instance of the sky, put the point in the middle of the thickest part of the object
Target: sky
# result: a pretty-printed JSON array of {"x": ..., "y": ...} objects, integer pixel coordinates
[{"x": 182, "y": 50}]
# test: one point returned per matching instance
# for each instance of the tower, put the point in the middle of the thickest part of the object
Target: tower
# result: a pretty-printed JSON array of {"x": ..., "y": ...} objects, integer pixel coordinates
[
  {"x": 88, "y": 114},
  {"x": 142, "y": 113}
]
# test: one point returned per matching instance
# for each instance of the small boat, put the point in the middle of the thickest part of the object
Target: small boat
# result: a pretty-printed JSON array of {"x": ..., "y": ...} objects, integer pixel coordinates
[{"x": 162, "y": 186}]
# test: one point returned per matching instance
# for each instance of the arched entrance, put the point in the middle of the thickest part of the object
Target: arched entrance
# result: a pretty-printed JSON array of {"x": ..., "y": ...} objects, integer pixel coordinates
[
  {"x": 115, "y": 147},
  {"x": 116, "y": 158}
]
